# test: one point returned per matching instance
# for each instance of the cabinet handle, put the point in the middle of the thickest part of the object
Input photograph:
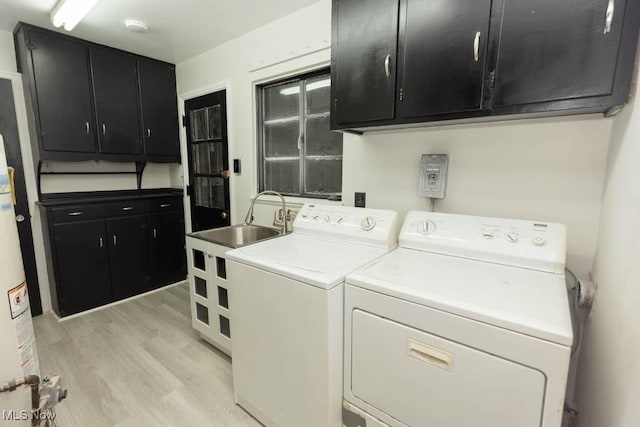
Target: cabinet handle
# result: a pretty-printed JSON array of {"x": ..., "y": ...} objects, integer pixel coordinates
[
  {"x": 75, "y": 213},
  {"x": 476, "y": 47},
  {"x": 609, "y": 16},
  {"x": 387, "y": 66},
  {"x": 165, "y": 205},
  {"x": 86, "y": 124},
  {"x": 128, "y": 208},
  {"x": 155, "y": 233},
  {"x": 104, "y": 129},
  {"x": 101, "y": 243},
  {"x": 299, "y": 142},
  {"x": 115, "y": 240},
  {"x": 148, "y": 133}
]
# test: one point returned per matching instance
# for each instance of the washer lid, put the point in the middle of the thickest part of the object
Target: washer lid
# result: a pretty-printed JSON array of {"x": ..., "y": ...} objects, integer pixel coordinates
[
  {"x": 318, "y": 262},
  {"x": 530, "y": 302}
]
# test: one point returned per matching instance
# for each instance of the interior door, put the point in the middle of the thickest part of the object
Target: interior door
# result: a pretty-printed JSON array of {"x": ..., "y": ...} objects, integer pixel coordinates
[
  {"x": 115, "y": 83},
  {"x": 206, "y": 120},
  {"x": 444, "y": 56},
  {"x": 364, "y": 63},
  {"x": 9, "y": 132},
  {"x": 557, "y": 49}
]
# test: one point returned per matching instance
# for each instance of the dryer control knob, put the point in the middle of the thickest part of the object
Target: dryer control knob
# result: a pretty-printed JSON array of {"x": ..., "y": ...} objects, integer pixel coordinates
[
  {"x": 427, "y": 227},
  {"x": 340, "y": 220},
  {"x": 327, "y": 218},
  {"x": 538, "y": 240},
  {"x": 368, "y": 223},
  {"x": 512, "y": 237}
]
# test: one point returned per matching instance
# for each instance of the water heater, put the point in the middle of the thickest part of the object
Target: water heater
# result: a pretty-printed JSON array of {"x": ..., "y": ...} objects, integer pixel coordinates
[{"x": 18, "y": 357}]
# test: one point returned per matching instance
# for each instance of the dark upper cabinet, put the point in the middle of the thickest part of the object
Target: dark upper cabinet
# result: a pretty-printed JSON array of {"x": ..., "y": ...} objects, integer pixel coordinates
[
  {"x": 127, "y": 249},
  {"x": 82, "y": 265},
  {"x": 93, "y": 102},
  {"x": 63, "y": 92},
  {"x": 166, "y": 236},
  {"x": 115, "y": 86},
  {"x": 479, "y": 60},
  {"x": 364, "y": 60},
  {"x": 443, "y": 60},
  {"x": 159, "y": 107},
  {"x": 557, "y": 50}
]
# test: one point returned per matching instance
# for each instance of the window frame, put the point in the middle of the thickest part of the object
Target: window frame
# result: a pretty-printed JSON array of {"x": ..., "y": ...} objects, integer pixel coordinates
[{"x": 261, "y": 159}]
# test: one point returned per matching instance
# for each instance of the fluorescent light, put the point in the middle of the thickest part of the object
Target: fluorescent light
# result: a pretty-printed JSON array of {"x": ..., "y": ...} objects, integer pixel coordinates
[
  {"x": 68, "y": 13},
  {"x": 311, "y": 86}
]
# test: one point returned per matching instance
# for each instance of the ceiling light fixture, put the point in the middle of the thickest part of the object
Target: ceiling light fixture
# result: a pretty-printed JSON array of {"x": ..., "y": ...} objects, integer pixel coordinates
[
  {"x": 136, "y": 26},
  {"x": 68, "y": 13}
]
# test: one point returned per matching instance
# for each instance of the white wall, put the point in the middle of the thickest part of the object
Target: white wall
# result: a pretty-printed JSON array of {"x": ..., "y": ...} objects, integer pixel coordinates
[
  {"x": 608, "y": 389},
  {"x": 291, "y": 45},
  {"x": 7, "y": 52},
  {"x": 549, "y": 169},
  {"x": 543, "y": 169}
]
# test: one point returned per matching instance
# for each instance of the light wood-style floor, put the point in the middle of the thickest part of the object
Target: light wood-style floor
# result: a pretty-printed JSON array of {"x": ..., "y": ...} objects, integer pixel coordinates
[{"x": 138, "y": 363}]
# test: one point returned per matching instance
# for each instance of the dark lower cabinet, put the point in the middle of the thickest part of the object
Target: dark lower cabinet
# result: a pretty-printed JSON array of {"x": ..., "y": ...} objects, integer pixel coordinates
[
  {"x": 127, "y": 250},
  {"x": 166, "y": 237},
  {"x": 82, "y": 259},
  {"x": 100, "y": 252}
]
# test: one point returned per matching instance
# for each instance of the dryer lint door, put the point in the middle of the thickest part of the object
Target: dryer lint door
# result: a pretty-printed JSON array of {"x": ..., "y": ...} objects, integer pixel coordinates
[{"x": 423, "y": 380}]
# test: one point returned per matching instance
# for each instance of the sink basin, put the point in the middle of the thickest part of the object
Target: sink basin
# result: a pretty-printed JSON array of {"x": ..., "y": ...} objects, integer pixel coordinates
[{"x": 236, "y": 236}]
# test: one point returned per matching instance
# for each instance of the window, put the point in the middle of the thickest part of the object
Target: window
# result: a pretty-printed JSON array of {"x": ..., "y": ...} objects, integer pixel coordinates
[{"x": 300, "y": 156}]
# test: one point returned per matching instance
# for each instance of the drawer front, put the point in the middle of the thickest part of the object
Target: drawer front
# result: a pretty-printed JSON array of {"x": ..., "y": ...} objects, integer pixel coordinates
[
  {"x": 164, "y": 204},
  {"x": 123, "y": 208},
  {"x": 77, "y": 213}
]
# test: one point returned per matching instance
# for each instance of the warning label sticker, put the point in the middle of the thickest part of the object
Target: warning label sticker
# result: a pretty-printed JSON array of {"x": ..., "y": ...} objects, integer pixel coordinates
[{"x": 18, "y": 300}]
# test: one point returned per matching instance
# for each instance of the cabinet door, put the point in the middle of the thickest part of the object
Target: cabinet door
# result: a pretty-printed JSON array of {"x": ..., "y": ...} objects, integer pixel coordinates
[
  {"x": 364, "y": 60},
  {"x": 115, "y": 84},
  {"x": 444, "y": 56},
  {"x": 159, "y": 108},
  {"x": 128, "y": 252},
  {"x": 83, "y": 266},
  {"x": 63, "y": 90},
  {"x": 167, "y": 248},
  {"x": 557, "y": 49}
]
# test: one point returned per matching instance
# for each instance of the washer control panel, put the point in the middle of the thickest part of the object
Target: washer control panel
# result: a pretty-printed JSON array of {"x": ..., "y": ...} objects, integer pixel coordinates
[
  {"x": 376, "y": 227},
  {"x": 529, "y": 244}
]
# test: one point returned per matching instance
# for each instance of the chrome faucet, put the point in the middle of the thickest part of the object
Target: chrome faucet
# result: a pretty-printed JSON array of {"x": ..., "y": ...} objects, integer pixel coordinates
[{"x": 249, "y": 218}]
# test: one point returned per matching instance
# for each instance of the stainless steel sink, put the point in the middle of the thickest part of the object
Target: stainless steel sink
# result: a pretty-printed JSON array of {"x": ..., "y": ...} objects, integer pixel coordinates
[{"x": 237, "y": 235}]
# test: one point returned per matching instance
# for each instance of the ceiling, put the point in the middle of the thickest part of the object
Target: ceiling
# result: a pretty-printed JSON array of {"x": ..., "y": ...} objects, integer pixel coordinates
[{"x": 178, "y": 29}]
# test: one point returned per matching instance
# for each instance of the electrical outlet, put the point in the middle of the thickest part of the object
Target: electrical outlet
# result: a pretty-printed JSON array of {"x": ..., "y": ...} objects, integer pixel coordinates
[
  {"x": 360, "y": 200},
  {"x": 433, "y": 175}
]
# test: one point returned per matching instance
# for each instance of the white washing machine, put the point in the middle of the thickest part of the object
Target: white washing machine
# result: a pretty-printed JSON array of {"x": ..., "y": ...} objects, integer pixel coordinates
[
  {"x": 288, "y": 301},
  {"x": 467, "y": 323}
]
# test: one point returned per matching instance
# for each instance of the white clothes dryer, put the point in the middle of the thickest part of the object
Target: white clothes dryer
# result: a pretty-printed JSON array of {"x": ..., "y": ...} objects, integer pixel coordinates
[
  {"x": 467, "y": 323},
  {"x": 287, "y": 296}
]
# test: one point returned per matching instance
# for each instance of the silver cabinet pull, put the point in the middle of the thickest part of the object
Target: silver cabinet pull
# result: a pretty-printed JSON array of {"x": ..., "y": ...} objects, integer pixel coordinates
[
  {"x": 75, "y": 213},
  {"x": 300, "y": 141},
  {"x": 104, "y": 129},
  {"x": 165, "y": 205},
  {"x": 148, "y": 133},
  {"x": 101, "y": 243},
  {"x": 115, "y": 240},
  {"x": 128, "y": 208},
  {"x": 609, "y": 16},
  {"x": 476, "y": 47},
  {"x": 155, "y": 233},
  {"x": 86, "y": 124},
  {"x": 387, "y": 66}
]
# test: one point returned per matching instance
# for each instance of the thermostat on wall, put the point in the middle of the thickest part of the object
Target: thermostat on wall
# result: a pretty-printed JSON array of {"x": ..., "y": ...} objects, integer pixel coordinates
[{"x": 433, "y": 175}]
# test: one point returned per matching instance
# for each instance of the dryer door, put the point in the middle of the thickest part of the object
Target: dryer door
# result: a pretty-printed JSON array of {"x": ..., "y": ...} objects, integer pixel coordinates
[{"x": 421, "y": 379}]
